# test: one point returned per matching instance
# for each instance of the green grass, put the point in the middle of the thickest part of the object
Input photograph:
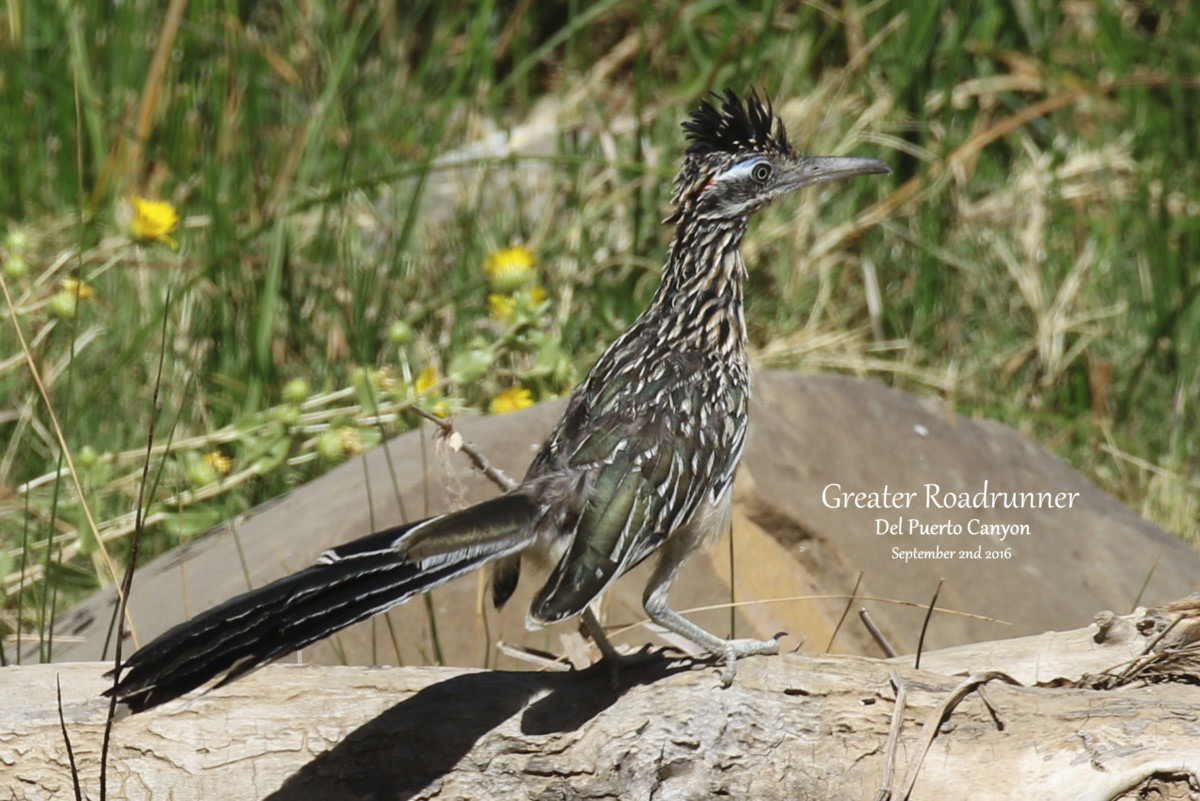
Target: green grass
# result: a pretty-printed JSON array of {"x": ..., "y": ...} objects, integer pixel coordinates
[{"x": 338, "y": 207}]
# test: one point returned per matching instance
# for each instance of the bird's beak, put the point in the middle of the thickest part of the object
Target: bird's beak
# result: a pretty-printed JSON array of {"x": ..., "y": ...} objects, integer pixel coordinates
[{"x": 807, "y": 170}]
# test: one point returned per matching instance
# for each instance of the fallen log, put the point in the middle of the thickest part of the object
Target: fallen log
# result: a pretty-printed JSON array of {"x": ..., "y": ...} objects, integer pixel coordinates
[{"x": 1119, "y": 720}]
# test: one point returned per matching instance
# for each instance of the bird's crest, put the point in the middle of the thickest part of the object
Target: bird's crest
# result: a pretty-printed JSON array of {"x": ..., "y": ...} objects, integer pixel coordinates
[
  {"x": 723, "y": 129},
  {"x": 727, "y": 124}
]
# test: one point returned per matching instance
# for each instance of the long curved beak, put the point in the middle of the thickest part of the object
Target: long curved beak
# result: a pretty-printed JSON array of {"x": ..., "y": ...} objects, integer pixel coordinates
[{"x": 807, "y": 170}]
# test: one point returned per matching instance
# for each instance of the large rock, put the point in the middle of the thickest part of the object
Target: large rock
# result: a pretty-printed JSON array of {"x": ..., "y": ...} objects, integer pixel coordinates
[{"x": 796, "y": 533}]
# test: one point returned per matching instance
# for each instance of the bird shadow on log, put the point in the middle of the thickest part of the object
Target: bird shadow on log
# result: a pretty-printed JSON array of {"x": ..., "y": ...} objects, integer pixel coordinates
[{"x": 421, "y": 739}]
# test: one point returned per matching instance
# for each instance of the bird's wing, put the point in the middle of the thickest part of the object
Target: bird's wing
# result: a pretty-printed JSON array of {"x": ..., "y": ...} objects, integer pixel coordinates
[{"x": 648, "y": 469}]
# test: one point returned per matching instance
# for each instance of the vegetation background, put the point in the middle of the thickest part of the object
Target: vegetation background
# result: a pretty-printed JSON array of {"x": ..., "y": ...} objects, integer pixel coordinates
[{"x": 459, "y": 204}]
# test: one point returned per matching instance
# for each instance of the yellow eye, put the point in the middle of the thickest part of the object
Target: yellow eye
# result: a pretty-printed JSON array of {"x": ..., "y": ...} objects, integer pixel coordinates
[{"x": 761, "y": 172}]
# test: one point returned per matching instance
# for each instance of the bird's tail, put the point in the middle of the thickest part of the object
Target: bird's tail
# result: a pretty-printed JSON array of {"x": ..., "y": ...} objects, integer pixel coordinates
[{"x": 347, "y": 584}]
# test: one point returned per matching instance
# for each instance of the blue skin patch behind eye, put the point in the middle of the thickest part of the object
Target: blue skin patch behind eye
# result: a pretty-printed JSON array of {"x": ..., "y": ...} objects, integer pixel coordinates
[{"x": 741, "y": 168}]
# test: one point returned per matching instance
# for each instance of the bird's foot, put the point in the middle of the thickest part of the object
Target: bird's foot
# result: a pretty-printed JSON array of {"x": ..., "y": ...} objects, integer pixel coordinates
[
  {"x": 735, "y": 649},
  {"x": 617, "y": 662}
]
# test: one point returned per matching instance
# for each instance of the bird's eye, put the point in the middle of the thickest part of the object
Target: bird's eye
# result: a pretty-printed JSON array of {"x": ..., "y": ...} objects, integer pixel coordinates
[{"x": 761, "y": 172}]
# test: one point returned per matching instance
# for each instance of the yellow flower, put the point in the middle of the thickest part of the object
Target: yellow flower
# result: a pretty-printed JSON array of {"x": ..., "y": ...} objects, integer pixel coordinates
[
  {"x": 79, "y": 289},
  {"x": 509, "y": 269},
  {"x": 511, "y": 399},
  {"x": 440, "y": 409},
  {"x": 218, "y": 461},
  {"x": 153, "y": 219},
  {"x": 500, "y": 307},
  {"x": 426, "y": 379}
]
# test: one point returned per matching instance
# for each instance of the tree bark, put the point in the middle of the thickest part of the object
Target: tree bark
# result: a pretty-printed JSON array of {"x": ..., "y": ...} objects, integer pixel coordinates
[{"x": 790, "y": 727}]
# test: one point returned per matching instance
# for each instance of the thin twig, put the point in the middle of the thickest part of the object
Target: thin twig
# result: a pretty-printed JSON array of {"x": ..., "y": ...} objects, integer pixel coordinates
[
  {"x": 1147, "y": 657},
  {"x": 62, "y": 722},
  {"x": 134, "y": 546},
  {"x": 925, "y": 623},
  {"x": 542, "y": 659},
  {"x": 481, "y": 463},
  {"x": 893, "y": 740},
  {"x": 845, "y": 611},
  {"x": 1146, "y": 583},
  {"x": 876, "y": 634}
]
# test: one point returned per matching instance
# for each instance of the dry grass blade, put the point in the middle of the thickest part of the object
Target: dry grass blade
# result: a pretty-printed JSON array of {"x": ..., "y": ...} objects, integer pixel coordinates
[
  {"x": 62, "y": 443},
  {"x": 890, "y": 751},
  {"x": 845, "y": 611},
  {"x": 933, "y": 723}
]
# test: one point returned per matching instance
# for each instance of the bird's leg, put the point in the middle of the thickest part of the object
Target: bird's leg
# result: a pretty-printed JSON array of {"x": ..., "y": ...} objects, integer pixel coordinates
[
  {"x": 655, "y": 603},
  {"x": 611, "y": 656},
  {"x": 608, "y": 651}
]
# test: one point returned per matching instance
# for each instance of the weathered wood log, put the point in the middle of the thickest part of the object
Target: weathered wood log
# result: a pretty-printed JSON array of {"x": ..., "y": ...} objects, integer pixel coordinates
[{"x": 790, "y": 727}]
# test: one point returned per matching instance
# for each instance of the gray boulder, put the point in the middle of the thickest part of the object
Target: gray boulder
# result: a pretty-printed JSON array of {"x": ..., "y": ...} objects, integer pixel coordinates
[{"x": 842, "y": 476}]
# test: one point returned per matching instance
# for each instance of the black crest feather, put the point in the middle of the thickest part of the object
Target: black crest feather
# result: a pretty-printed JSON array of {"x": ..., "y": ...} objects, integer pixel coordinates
[{"x": 727, "y": 124}]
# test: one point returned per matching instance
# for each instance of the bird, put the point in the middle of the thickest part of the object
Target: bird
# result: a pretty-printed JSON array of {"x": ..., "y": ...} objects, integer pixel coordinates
[{"x": 641, "y": 462}]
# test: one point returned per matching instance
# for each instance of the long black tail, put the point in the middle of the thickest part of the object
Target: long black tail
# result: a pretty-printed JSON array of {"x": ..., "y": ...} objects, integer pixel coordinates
[{"x": 346, "y": 585}]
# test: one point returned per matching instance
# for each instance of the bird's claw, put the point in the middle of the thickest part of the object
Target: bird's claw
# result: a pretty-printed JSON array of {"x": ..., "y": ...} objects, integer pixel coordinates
[
  {"x": 644, "y": 655},
  {"x": 735, "y": 649}
]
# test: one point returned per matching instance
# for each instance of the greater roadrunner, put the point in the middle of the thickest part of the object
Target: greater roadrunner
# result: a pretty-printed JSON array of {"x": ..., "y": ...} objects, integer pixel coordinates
[{"x": 642, "y": 460}]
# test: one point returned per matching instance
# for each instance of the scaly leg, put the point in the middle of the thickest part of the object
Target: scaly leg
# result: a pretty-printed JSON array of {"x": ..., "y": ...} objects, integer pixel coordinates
[{"x": 675, "y": 551}]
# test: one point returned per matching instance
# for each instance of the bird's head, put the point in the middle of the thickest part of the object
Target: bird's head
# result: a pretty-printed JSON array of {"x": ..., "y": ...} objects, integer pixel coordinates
[{"x": 739, "y": 160}]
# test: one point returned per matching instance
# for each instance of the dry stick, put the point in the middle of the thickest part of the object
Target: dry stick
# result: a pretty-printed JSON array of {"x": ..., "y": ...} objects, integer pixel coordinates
[
  {"x": 544, "y": 660},
  {"x": 1147, "y": 657},
  {"x": 1134, "y": 665},
  {"x": 875, "y": 633},
  {"x": 456, "y": 442},
  {"x": 399, "y": 496},
  {"x": 845, "y": 611},
  {"x": 1141, "y": 590},
  {"x": 134, "y": 547},
  {"x": 925, "y": 622},
  {"x": 427, "y": 598},
  {"x": 497, "y": 477},
  {"x": 893, "y": 740},
  {"x": 929, "y": 730},
  {"x": 991, "y": 708},
  {"x": 362, "y": 460},
  {"x": 62, "y": 723}
]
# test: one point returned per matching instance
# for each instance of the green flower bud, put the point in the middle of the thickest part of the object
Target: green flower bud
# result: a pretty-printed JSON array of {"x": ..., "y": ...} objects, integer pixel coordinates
[
  {"x": 399, "y": 332},
  {"x": 16, "y": 241},
  {"x": 86, "y": 457},
  {"x": 296, "y": 391},
  {"x": 331, "y": 446},
  {"x": 201, "y": 472},
  {"x": 287, "y": 413},
  {"x": 63, "y": 304},
  {"x": 15, "y": 266}
]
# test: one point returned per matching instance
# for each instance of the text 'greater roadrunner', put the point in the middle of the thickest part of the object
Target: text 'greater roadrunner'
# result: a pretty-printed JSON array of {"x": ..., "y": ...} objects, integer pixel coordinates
[{"x": 642, "y": 460}]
